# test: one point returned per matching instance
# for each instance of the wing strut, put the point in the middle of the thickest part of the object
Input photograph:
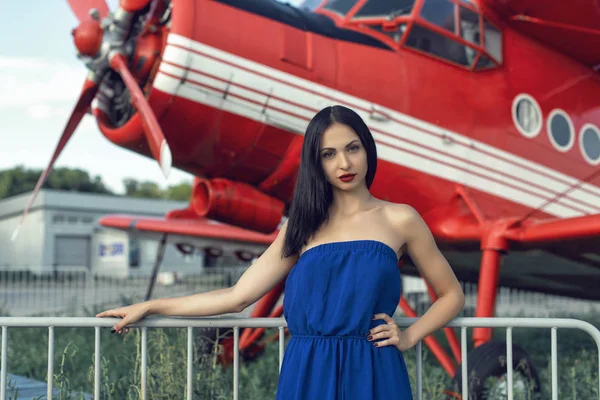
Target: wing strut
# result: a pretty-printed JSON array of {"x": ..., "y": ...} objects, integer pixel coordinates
[{"x": 159, "y": 258}]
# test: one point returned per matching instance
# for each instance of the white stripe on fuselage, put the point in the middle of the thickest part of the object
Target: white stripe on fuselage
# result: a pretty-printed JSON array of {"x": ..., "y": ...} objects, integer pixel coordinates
[{"x": 402, "y": 140}]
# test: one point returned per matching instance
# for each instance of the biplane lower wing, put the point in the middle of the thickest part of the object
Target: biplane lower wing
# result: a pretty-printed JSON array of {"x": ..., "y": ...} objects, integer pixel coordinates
[
  {"x": 197, "y": 233},
  {"x": 557, "y": 256}
]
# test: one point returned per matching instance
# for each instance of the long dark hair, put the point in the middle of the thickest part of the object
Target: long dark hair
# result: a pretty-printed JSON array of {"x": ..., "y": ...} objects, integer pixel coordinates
[{"x": 313, "y": 193}]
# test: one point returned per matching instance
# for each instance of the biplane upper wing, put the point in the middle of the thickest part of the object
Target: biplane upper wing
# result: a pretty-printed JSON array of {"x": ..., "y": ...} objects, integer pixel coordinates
[
  {"x": 570, "y": 27},
  {"x": 199, "y": 233}
]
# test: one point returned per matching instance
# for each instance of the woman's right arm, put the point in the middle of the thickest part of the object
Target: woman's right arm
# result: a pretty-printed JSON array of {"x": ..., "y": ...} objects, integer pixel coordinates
[{"x": 266, "y": 272}]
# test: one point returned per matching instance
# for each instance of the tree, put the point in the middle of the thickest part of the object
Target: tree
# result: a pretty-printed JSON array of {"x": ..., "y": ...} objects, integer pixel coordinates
[
  {"x": 19, "y": 180},
  {"x": 147, "y": 189},
  {"x": 180, "y": 192}
]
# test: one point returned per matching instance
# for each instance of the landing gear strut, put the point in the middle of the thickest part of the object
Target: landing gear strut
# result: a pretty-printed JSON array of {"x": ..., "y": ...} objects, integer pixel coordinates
[{"x": 493, "y": 247}]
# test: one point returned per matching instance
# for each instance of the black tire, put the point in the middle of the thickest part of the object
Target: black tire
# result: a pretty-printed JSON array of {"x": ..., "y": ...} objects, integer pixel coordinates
[{"x": 489, "y": 360}]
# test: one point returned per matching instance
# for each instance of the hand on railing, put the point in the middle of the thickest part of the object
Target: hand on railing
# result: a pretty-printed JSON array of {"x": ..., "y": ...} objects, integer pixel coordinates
[{"x": 129, "y": 314}]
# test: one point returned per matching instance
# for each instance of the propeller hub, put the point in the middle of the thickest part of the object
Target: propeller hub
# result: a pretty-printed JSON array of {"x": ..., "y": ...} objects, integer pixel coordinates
[{"x": 88, "y": 37}]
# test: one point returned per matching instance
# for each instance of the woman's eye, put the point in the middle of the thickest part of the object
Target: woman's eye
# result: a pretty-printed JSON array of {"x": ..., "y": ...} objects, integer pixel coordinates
[
  {"x": 327, "y": 154},
  {"x": 353, "y": 148}
]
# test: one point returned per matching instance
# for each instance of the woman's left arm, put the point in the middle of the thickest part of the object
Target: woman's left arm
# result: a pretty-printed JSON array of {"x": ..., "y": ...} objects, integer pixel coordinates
[{"x": 434, "y": 268}]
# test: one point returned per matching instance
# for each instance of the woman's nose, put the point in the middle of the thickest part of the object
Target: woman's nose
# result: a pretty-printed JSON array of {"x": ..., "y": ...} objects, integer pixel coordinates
[{"x": 343, "y": 161}]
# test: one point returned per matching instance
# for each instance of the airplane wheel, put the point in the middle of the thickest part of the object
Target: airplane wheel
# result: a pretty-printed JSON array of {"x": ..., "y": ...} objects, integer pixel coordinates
[{"x": 489, "y": 361}]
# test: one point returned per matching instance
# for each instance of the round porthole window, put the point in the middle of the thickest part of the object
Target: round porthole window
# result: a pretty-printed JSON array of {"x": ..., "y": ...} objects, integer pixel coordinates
[
  {"x": 589, "y": 142},
  {"x": 560, "y": 130},
  {"x": 527, "y": 115}
]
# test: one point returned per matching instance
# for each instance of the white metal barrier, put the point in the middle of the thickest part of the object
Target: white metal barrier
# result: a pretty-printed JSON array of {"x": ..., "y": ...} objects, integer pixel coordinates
[{"x": 236, "y": 323}]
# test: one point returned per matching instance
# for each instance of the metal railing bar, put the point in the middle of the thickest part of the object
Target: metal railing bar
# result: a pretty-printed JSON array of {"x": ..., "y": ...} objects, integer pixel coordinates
[
  {"x": 419, "y": 354},
  {"x": 97, "y": 360},
  {"x": 3, "y": 367},
  {"x": 150, "y": 322},
  {"x": 281, "y": 346},
  {"x": 553, "y": 352},
  {"x": 190, "y": 361},
  {"x": 509, "y": 362},
  {"x": 50, "y": 362},
  {"x": 144, "y": 369},
  {"x": 464, "y": 372},
  {"x": 236, "y": 362},
  {"x": 203, "y": 322}
]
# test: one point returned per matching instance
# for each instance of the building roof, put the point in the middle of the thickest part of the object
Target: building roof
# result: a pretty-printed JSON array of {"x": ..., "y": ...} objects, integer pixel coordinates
[{"x": 87, "y": 202}]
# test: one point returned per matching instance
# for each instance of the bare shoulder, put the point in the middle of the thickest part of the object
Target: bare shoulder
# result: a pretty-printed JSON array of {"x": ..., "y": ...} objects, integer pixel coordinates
[{"x": 402, "y": 217}]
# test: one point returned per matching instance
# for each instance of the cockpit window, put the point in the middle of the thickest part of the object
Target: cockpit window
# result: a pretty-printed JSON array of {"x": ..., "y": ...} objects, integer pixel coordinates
[
  {"x": 460, "y": 41},
  {"x": 484, "y": 63},
  {"x": 311, "y": 4},
  {"x": 340, "y": 6},
  {"x": 428, "y": 41},
  {"x": 385, "y": 8},
  {"x": 493, "y": 40},
  {"x": 440, "y": 12},
  {"x": 469, "y": 26},
  {"x": 451, "y": 30}
]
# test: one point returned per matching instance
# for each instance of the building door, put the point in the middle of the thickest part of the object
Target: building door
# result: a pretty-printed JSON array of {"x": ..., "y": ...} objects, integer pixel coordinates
[{"x": 71, "y": 251}]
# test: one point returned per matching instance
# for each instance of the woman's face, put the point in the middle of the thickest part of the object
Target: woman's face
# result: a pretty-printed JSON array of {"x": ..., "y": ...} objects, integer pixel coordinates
[{"x": 343, "y": 157}]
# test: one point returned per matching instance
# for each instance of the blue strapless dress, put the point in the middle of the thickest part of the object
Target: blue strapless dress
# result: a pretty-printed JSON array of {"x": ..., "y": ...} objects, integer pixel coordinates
[{"x": 330, "y": 297}]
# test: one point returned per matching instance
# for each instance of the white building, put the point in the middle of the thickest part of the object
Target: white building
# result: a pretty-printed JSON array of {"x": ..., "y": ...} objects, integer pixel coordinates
[{"x": 61, "y": 232}]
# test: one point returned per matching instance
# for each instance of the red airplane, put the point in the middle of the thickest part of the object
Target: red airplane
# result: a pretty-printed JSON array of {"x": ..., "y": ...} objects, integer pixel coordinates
[{"x": 484, "y": 113}]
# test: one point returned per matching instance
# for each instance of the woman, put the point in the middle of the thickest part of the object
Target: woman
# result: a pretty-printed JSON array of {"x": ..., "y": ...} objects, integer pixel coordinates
[{"x": 339, "y": 249}]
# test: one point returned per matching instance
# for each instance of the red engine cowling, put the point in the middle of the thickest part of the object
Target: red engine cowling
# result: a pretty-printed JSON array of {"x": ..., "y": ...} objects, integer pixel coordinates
[{"x": 236, "y": 203}]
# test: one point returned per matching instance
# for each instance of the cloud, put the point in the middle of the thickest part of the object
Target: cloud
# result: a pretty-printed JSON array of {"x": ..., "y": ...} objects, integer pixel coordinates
[{"x": 30, "y": 81}]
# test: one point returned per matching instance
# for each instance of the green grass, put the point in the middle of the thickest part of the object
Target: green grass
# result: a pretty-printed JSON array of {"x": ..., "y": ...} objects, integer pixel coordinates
[{"x": 167, "y": 358}]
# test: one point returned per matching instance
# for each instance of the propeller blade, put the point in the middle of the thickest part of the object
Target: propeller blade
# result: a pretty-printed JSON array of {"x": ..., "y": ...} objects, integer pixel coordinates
[
  {"x": 81, "y": 8},
  {"x": 154, "y": 134},
  {"x": 83, "y": 104}
]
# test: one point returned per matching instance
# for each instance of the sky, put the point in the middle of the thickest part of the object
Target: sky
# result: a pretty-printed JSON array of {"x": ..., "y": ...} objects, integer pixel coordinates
[{"x": 40, "y": 80}]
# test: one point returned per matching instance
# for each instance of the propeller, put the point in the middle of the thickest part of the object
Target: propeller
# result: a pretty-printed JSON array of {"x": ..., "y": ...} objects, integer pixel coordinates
[
  {"x": 81, "y": 8},
  {"x": 83, "y": 104},
  {"x": 154, "y": 135},
  {"x": 104, "y": 49}
]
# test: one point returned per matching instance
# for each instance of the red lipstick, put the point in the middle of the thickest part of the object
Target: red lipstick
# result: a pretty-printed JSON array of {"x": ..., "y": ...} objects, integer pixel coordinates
[{"x": 347, "y": 178}]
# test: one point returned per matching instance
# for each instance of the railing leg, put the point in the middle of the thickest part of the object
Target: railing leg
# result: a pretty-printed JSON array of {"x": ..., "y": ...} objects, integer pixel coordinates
[
  {"x": 236, "y": 362},
  {"x": 554, "y": 364},
  {"x": 144, "y": 361},
  {"x": 190, "y": 361},
  {"x": 50, "y": 362},
  {"x": 509, "y": 362},
  {"x": 97, "y": 360},
  {"x": 3, "y": 363},
  {"x": 419, "y": 351},
  {"x": 281, "y": 346},
  {"x": 464, "y": 366}
]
